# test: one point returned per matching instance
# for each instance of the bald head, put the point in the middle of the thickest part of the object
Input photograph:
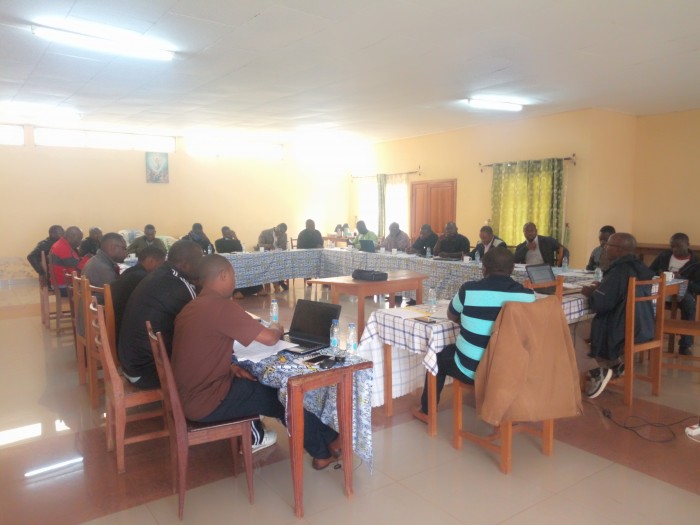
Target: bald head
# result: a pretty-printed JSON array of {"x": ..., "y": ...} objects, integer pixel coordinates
[
  {"x": 184, "y": 256},
  {"x": 620, "y": 244},
  {"x": 211, "y": 267}
]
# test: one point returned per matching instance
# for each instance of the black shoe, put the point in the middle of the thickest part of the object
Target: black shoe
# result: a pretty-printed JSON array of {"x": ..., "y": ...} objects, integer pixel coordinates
[
  {"x": 597, "y": 381},
  {"x": 685, "y": 350},
  {"x": 618, "y": 370}
]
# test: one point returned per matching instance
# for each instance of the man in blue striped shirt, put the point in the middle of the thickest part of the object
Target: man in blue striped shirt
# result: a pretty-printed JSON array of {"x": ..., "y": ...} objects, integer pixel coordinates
[{"x": 475, "y": 308}]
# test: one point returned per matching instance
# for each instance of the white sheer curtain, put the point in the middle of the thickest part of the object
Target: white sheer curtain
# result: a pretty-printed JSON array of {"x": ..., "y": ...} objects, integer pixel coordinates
[
  {"x": 396, "y": 202},
  {"x": 367, "y": 198}
]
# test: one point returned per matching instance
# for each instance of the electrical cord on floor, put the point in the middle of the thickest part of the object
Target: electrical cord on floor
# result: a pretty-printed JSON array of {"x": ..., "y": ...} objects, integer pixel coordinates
[{"x": 627, "y": 425}]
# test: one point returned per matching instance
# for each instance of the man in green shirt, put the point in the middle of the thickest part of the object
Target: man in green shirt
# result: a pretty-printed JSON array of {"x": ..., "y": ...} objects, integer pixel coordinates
[
  {"x": 363, "y": 234},
  {"x": 147, "y": 239}
]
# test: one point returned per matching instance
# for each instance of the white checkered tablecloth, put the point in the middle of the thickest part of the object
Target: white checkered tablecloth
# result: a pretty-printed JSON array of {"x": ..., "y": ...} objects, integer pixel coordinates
[{"x": 415, "y": 346}]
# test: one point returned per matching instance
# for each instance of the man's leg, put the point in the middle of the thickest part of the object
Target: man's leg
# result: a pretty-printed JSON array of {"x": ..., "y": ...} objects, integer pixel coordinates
[
  {"x": 687, "y": 307},
  {"x": 446, "y": 366}
]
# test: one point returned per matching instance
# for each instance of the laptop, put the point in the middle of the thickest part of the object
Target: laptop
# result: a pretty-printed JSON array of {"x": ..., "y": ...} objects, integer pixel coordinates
[
  {"x": 311, "y": 326},
  {"x": 367, "y": 245},
  {"x": 543, "y": 273}
]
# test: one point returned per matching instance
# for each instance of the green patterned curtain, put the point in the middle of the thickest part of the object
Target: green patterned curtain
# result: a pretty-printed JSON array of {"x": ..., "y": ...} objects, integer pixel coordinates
[
  {"x": 381, "y": 191},
  {"x": 528, "y": 191}
]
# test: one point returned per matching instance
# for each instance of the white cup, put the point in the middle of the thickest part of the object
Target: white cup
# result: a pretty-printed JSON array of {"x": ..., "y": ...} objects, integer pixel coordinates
[
  {"x": 668, "y": 276},
  {"x": 467, "y": 258},
  {"x": 394, "y": 251},
  {"x": 382, "y": 249},
  {"x": 262, "y": 248}
]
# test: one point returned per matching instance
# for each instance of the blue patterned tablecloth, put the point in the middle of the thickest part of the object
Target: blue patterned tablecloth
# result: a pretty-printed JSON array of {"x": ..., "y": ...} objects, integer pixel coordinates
[{"x": 275, "y": 371}]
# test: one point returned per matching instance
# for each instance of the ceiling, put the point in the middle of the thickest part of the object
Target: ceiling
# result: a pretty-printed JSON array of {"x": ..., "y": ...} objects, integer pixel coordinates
[{"x": 380, "y": 69}]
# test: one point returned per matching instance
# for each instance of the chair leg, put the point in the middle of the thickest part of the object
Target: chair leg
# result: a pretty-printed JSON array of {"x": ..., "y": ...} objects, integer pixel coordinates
[
  {"x": 82, "y": 362},
  {"x": 655, "y": 370},
  {"x": 506, "y": 448},
  {"x": 182, "y": 481},
  {"x": 93, "y": 381},
  {"x": 109, "y": 424},
  {"x": 235, "y": 451},
  {"x": 119, "y": 432},
  {"x": 456, "y": 415},
  {"x": 247, "y": 443},
  {"x": 547, "y": 437},
  {"x": 628, "y": 381}
]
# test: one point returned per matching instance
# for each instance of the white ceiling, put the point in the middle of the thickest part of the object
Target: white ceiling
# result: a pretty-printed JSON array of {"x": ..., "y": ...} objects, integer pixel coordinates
[{"x": 383, "y": 69}]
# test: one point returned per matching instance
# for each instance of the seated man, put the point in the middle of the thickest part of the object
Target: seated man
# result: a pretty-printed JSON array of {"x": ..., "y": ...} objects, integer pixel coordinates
[
  {"x": 608, "y": 299},
  {"x": 363, "y": 234},
  {"x": 396, "y": 240},
  {"x": 487, "y": 240},
  {"x": 685, "y": 265},
  {"x": 147, "y": 239},
  {"x": 475, "y": 308},
  {"x": 150, "y": 258},
  {"x": 158, "y": 298},
  {"x": 309, "y": 237},
  {"x": 451, "y": 245},
  {"x": 103, "y": 268},
  {"x": 597, "y": 258},
  {"x": 274, "y": 239},
  {"x": 537, "y": 249},
  {"x": 229, "y": 242},
  {"x": 91, "y": 244},
  {"x": 34, "y": 257},
  {"x": 426, "y": 239},
  {"x": 211, "y": 387},
  {"x": 64, "y": 257},
  {"x": 197, "y": 235}
]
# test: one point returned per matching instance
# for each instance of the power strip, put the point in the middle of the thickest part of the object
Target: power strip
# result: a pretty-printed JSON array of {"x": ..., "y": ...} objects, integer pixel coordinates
[{"x": 693, "y": 431}]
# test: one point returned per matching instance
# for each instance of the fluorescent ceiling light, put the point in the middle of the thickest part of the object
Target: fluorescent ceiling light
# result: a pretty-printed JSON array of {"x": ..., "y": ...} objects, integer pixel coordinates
[
  {"x": 30, "y": 113},
  {"x": 496, "y": 105},
  {"x": 104, "y": 39}
]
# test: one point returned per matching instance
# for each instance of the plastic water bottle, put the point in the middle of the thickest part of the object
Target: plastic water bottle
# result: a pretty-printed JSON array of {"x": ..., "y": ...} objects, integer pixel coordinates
[
  {"x": 274, "y": 312},
  {"x": 335, "y": 336},
  {"x": 428, "y": 252},
  {"x": 598, "y": 275},
  {"x": 477, "y": 257},
  {"x": 565, "y": 264},
  {"x": 210, "y": 250},
  {"x": 432, "y": 300},
  {"x": 351, "y": 345}
]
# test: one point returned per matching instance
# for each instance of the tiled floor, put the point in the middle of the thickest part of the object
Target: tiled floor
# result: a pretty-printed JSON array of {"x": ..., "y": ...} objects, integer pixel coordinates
[{"x": 598, "y": 474}]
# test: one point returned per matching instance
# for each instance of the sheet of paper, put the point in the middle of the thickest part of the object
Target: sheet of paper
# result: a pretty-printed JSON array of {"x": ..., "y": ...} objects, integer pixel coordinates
[{"x": 256, "y": 352}]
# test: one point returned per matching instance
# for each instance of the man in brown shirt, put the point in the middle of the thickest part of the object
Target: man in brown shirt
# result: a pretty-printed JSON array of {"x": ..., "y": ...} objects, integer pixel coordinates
[{"x": 211, "y": 387}]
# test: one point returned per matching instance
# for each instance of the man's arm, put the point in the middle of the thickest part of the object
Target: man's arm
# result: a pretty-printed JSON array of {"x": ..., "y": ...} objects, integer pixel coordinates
[
  {"x": 520, "y": 253},
  {"x": 34, "y": 259},
  {"x": 404, "y": 242},
  {"x": 134, "y": 245},
  {"x": 608, "y": 294},
  {"x": 657, "y": 265},
  {"x": 318, "y": 239},
  {"x": 270, "y": 336}
]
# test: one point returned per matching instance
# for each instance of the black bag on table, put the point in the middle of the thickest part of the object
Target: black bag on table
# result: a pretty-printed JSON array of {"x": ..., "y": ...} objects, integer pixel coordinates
[{"x": 369, "y": 275}]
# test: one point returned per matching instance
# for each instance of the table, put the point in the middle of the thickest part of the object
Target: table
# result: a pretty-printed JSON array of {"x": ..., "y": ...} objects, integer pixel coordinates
[
  {"x": 397, "y": 281},
  {"x": 346, "y": 408},
  {"x": 421, "y": 342}
]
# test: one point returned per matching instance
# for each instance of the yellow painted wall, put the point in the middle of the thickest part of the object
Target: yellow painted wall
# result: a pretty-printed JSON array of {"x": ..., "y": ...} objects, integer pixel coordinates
[
  {"x": 667, "y": 181},
  {"x": 40, "y": 186},
  {"x": 603, "y": 141}
]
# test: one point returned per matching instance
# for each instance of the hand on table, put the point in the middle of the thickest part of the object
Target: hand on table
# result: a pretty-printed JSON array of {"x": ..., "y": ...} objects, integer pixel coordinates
[
  {"x": 242, "y": 373},
  {"x": 588, "y": 290}
]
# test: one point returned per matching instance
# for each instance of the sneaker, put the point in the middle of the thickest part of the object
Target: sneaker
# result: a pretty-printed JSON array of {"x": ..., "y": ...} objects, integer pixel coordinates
[
  {"x": 618, "y": 370},
  {"x": 597, "y": 381},
  {"x": 269, "y": 439}
]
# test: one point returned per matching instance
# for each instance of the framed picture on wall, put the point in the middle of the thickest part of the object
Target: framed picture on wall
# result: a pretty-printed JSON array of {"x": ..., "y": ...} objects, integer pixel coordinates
[{"x": 157, "y": 168}]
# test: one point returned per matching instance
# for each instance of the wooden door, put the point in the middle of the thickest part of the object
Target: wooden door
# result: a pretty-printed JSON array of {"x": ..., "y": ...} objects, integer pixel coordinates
[{"x": 434, "y": 203}]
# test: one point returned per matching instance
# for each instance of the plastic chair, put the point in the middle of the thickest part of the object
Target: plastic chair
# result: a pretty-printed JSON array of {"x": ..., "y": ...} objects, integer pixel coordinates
[
  {"x": 121, "y": 396},
  {"x": 185, "y": 433}
]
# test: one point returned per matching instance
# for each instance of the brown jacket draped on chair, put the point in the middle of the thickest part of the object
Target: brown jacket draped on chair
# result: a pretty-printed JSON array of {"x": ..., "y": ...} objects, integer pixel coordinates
[{"x": 528, "y": 371}]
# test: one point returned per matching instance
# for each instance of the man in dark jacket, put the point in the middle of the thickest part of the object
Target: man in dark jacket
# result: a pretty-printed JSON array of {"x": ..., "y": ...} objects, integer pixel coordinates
[
  {"x": 34, "y": 257},
  {"x": 608, "y": 300},
  {"x": 537, "y": 249},
  {"x": 685, "y": 265}
]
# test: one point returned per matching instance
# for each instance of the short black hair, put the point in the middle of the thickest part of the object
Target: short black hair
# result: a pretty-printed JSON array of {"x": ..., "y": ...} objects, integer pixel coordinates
[
  {"x": 210, "y": 266},
  {"x": 152, "y": 252},
  {"x": 55, "y": 228},
  {"x": 487, "y": 229},
  {"x": 184, "y": 250},
  {"x": 224, "y": 229},
  {"x": 680, "y": 237},
  {"x": 608, "y": 229},
  {"x": 498, "y": 260},
  {"x": 149, "y": 227},
  {"x": 197, "y": 226},
  {"x": 282, "y": 227},
  {"x": 109, "y": 238}
]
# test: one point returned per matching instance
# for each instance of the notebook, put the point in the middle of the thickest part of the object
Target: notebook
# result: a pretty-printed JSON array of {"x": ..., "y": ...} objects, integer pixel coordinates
[
  {"x": 543, "y": 273},
  {"x": 311, "y": 326},
  {"x": 367, "y": 245}
]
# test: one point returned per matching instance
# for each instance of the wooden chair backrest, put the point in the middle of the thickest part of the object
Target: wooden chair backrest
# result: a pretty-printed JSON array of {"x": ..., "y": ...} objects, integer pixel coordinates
[
  {"x": 76, "y": 294},
  {"x": 109, "y": 321},
  {"x": 558, "y": 283},
  {"x": 44, "y": 266},
  {"x": 98, "y": 330},
  {"x": 658, "y": 297},
  {"x": 175, "y": 416}
]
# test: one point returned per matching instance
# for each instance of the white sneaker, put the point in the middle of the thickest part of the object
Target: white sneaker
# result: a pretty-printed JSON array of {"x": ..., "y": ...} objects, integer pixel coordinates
[{"x": 269, "y": 439}]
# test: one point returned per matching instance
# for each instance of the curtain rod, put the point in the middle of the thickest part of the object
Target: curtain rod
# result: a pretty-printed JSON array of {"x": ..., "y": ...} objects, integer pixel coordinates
[
  {"x": 482, "y": 166},
  {"x": 414, "y": 172}
]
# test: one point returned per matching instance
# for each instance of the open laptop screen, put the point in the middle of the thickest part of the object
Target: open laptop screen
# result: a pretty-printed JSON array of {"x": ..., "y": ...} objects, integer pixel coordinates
[
  {"x": 367, "y": 245},
  {"x": 312, "y": 320},
  {"x": 540, "y": 273}
]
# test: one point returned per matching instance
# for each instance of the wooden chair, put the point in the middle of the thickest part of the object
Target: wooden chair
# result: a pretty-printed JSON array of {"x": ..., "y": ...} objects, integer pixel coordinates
[
  {"x": 121, "y": 396},
  {"x": 185, "y": 433},
  {"x": 293, "y": 242},
  {"x": 674, "y": 327},
  {"x": 654, "y": 346},
  {"x": 558, "y": 283},
  {"x": 109, "y": 321},
  {"x": 45, "y": 295},
  {"x": 80, "y": 321},
  {"x": 62, "y": 308},
  {"x": 500, "y": 441},
  {"x": 94, "y": 356}
]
